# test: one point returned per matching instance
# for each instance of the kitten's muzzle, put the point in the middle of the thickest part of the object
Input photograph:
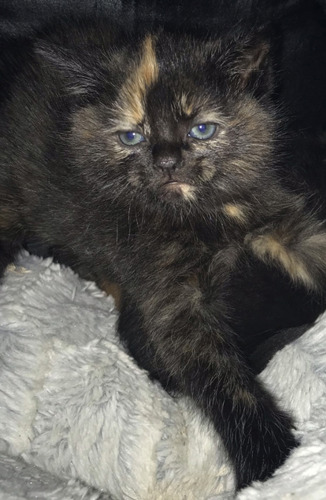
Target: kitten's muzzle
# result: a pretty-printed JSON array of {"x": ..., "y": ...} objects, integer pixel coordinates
[{"x": 167, "y": 158}]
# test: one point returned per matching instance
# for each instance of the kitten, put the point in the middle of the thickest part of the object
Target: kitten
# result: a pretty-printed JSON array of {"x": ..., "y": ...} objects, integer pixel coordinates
[{"x": 152, "y": 161}]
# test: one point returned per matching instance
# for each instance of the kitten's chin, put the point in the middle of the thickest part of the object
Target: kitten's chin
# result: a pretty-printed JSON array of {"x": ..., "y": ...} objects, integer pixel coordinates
[{"x": 177, "y": 191}]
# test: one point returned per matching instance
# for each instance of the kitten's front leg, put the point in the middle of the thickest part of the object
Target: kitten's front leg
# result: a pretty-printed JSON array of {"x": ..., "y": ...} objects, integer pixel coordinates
[
  {"x": 297, "y": 245},
  {"x": 183, "y": 331}
]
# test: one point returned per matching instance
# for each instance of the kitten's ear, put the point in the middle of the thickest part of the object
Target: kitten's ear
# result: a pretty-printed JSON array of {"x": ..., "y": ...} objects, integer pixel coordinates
[
  {"x": 253, "y": 67},
  {"x": 81, "y": 77}
]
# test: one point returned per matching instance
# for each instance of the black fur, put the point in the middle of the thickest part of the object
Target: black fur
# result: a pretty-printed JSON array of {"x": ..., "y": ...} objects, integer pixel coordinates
[{"x": 211, "y": 248}]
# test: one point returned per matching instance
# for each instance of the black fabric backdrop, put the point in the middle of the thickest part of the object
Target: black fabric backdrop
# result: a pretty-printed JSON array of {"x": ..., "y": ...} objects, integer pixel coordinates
[{"x": 17, "y": 16}]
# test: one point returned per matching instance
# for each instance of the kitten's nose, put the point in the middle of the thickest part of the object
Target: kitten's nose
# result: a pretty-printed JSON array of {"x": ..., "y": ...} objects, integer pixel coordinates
[{"x": 166, "y": 157}]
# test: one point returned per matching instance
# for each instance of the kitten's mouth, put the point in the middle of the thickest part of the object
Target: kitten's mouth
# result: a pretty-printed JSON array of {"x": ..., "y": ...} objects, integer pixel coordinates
[
  {"x": 178, "y": 188},
  {"x": 173, "y": 183}
]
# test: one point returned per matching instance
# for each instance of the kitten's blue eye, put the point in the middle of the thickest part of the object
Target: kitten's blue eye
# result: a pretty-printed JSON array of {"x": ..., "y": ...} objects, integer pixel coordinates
[
  {"x": 203, "y": 131},
  {"x": 131, "y": 138}
]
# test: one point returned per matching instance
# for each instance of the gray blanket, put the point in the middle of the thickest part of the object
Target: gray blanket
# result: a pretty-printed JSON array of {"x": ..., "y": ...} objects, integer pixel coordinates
[{"x": 79, "y": 419}]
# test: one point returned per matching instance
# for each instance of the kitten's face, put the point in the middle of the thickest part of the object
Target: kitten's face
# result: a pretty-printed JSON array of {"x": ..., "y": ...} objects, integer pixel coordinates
[{"x": 181, "y": 129}]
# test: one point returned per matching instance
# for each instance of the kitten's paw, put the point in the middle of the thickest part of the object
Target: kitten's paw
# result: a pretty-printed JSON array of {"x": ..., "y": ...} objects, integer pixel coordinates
[{"x": 267, "y": 444}]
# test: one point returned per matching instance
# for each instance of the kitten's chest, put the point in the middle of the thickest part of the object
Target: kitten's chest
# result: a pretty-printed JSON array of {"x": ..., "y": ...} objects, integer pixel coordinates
[{"x": 181, "y": 255}]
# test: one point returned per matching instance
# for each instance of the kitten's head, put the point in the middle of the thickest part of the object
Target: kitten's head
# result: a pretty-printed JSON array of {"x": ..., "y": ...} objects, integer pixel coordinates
[{"x": 174, "y": 124}]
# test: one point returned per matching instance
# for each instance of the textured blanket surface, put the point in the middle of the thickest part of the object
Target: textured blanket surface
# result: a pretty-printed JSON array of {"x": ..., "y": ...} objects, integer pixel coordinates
[{"x": 79, "y": 419}]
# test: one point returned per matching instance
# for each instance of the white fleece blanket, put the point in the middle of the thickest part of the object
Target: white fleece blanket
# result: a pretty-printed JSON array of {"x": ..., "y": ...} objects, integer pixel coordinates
[{"x": 80, "y": 420}]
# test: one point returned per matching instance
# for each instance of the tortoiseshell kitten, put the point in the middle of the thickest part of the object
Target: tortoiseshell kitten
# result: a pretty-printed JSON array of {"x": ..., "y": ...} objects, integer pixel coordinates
[{"x": 152, "y": 161}]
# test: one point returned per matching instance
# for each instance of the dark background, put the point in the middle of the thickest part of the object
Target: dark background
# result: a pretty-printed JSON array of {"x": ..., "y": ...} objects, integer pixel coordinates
[{"x": 20, "y": 15}]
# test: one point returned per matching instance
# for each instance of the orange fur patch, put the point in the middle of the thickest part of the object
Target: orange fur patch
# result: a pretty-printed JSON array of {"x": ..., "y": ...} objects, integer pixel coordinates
[
  {"x": 112, "y": 289},
  {"x": 235, "y": 212},
  {"x": 144, "y": 76},
  {"x": 187, "y": 105},
  {"x": 269, "y": 247}
]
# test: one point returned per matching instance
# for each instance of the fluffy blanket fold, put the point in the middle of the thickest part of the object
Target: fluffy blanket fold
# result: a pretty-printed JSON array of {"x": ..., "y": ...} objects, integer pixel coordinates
[{"x": 79, "y": 419}]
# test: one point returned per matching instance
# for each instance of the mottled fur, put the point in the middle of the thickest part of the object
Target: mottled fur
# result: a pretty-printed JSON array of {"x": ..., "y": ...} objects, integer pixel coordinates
[{"x": 211, "y": 251}]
